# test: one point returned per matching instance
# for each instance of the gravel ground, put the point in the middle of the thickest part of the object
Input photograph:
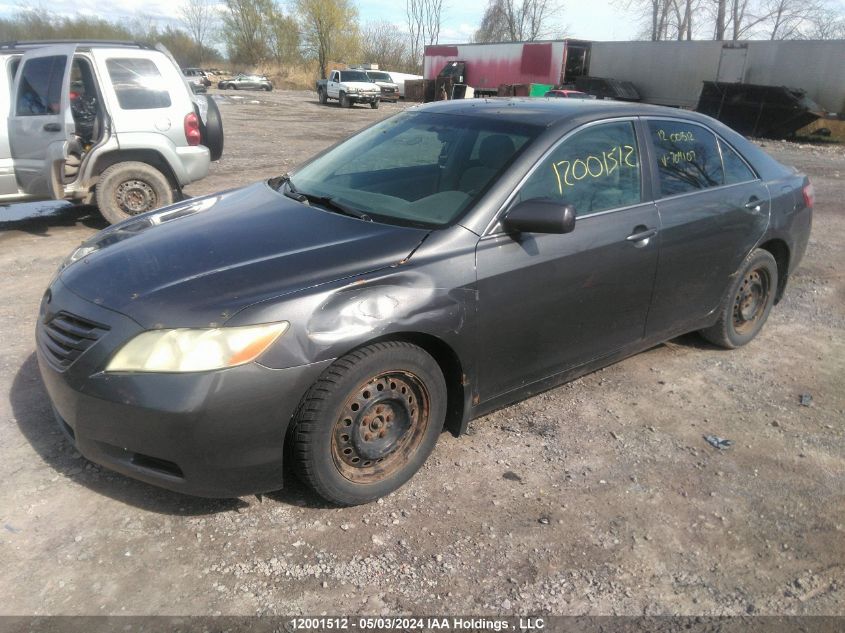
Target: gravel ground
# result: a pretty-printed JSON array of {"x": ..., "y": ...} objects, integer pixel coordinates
[{"x": 599, "y": 497}]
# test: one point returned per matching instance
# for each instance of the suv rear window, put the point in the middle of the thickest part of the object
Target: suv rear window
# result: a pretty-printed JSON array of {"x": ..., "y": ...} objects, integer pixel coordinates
[
  {"x": 138, "y": 84},
  {"x": 40, "y": 90}
]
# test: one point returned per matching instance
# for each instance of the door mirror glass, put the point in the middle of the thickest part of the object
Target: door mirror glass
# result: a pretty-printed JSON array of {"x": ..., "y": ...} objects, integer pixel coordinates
[{"x": 540, "y": 215}]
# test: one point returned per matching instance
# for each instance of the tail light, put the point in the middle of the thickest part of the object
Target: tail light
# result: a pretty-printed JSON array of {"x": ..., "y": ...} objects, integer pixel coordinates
[
  {"x": 809, "y": 195},
  {"x": 192, "y": 129}
]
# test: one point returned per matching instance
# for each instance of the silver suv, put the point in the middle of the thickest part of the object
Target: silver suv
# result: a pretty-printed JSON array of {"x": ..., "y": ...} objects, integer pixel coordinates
[{"x": 111, "y": 122}]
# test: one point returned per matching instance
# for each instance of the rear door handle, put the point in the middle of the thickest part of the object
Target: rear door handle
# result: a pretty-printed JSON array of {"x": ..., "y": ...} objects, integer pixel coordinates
[
  {"x": 52, "y": 127},
  {"x": 641, "y": 237}
]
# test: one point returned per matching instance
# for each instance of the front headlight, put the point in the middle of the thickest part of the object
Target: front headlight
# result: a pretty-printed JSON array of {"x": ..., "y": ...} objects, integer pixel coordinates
[{"x": 184, "y": 350}]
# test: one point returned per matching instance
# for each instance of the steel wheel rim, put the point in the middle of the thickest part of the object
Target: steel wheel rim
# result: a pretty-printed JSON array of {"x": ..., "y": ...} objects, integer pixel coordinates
[
  {"x": 135, "y": 196},
  {"x": 751, "y": 300},
  {"x": 380, "y": 426}
]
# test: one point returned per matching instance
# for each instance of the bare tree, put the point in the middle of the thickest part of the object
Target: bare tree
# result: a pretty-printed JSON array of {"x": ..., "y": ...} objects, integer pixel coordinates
[
  {"x": 245, "y": 32},
  {"x": 283, "y": 38},
  {"x": 738, "y": 19},
  {"x": 329, "y": 30},
  {"x": 424, "y": 20},
  {"x": 198, "y": 16},
  {"x": 515, "y": 21},
  {"x": 383, "y": 45},
  {"x": 827, "y": 23}
]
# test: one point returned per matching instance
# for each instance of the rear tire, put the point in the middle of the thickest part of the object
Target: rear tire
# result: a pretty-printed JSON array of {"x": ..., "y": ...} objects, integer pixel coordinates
[
  {"x": 130, "y": 188},
  {"x": 321, "y": 95},
  {"x": 747, "y": 303},
  {"x": 369, "y": 422}
]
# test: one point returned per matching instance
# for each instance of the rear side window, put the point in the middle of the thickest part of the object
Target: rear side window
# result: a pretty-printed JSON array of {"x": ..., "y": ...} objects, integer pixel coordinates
[
  {"x": 736, "y": 169},
  {"x": 138, "y": 84},
  {"x": 687, "y": 157},
  {"x": 40, "y": 90},
  {"x": 595, "y": 170}
]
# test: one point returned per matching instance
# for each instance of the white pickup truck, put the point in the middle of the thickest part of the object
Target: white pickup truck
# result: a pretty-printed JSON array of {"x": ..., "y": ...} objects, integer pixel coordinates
[{"x": 348, "y": 87}]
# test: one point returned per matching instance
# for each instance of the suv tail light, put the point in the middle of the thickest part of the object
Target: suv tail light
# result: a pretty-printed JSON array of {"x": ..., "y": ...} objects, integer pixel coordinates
[
  {"x": 809, "y": 195},
  {"x": 192, "y": 129}
]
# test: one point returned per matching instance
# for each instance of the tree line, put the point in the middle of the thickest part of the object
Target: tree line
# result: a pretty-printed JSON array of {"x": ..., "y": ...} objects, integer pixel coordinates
[
  {"x": 735, "y": 20},
  {"x": 265, "y": 34}
]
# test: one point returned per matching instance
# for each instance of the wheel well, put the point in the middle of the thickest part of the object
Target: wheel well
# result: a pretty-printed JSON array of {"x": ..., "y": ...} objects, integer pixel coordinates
[
  {"x": 449, "y": 364},
  {"x": 780, "y": 251},
  {"x": 151, "y": 157}
]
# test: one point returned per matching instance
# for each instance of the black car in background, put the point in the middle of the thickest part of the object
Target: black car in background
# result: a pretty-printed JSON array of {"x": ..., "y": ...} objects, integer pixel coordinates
[{"x": 444, "y": 262}]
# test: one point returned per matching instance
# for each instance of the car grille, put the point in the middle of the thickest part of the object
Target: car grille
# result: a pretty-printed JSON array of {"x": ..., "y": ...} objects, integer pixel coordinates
[{"x": 65, "y": 337}]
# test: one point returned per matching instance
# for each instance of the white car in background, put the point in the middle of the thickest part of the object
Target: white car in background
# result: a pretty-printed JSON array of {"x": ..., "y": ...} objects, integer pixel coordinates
[{"x": 400, "y": 78}]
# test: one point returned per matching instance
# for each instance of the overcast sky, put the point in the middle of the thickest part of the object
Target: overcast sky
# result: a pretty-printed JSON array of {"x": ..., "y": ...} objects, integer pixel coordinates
[{"x": 596, "y": 20}]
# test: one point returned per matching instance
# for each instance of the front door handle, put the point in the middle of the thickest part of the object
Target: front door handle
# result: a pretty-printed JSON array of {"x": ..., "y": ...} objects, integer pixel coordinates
[
  {"x": 755, "y": 204},
  {"x": 52, "y": 127},
  {"x": 641, "y": 236}
]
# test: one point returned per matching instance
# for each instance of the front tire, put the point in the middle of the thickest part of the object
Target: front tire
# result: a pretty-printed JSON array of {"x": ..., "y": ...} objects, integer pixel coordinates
[
  {"x": 344, "y": 101},
  {"x": 374, "y": 104},
  {"x": 369, "y": 422},
  {"x": 747, "y": 303},
  {"x": 129, "y": 188}
]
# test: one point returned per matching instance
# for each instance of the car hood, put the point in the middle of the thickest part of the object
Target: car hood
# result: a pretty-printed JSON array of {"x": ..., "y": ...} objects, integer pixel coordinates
[
  {"x": 197, "y": 263},
  {"x": 361, "y": 85}
]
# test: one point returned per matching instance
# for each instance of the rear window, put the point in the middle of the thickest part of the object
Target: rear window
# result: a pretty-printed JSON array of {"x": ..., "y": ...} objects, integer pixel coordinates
[
  {"x": 736, "y": 170},
  {"x": 138, "y": 84},
  {"x": 41, "y": 86}
]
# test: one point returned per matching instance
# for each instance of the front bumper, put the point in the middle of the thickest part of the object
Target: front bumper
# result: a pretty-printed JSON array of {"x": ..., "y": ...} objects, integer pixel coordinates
[
  {"x": 210, "y": 434},
  {"x": 363, "y": 97}
]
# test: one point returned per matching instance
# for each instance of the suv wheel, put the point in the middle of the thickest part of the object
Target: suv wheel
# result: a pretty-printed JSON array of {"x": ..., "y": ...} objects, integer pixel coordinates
[{"x": 130, "y": 188}]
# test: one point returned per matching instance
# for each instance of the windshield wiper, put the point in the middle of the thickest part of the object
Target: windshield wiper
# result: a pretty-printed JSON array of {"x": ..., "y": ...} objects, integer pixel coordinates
[
  {"x": 334, "y": 205},
  {"x": 306, "y": 198},
  {"x": 280, "y": 181}
]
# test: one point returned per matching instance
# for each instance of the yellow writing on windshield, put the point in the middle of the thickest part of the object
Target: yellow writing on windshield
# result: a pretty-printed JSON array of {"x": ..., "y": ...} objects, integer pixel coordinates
[{"x": 568, "y": 172}]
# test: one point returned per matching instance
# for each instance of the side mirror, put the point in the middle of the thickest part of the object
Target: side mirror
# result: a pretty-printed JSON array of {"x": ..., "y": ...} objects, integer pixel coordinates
[{"x": 540, "y": 215}]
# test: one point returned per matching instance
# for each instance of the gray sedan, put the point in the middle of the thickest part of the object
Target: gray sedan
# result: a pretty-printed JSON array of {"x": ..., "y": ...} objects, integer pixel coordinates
[
  {"x": 440, "y": 264},
  {"x": 246, "y": 82}
]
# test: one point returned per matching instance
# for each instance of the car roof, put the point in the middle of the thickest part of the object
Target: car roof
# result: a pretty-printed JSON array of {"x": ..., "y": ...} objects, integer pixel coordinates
[
  {"x": 22, "y": 45},
  {"x": 549, "y": 112}
]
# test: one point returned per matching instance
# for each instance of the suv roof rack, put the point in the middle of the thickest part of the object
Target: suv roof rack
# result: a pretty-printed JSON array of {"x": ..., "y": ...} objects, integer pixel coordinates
[{"x": 33, "y": 43}]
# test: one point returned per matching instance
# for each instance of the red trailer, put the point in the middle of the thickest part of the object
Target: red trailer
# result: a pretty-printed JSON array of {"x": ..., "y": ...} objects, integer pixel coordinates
[{"x": 485, "y": 67}]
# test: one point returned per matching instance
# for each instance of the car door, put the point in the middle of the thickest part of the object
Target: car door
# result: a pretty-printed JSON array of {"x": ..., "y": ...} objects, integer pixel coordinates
[
  {"x": 713, "y": 210},
  {"x": 40, "y": 121},
  {"x": 550, "y": 302}
]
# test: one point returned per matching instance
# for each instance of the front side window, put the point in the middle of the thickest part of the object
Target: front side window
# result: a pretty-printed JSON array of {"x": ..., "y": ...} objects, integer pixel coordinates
[
  {"x": 687, "y": 157},
  {"x": 594, "y": 170},
  {"x": 40, "y": 91},
  {"x": 138, "y": 84}
]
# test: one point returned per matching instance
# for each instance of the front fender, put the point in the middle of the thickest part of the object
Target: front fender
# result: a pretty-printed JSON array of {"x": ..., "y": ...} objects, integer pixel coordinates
[{"x": 330, "y": 321}]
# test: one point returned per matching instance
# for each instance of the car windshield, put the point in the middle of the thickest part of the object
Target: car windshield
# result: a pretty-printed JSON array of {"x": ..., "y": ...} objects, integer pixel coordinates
[
  {"x": 421, "y": 169},
  {"x": 379, "y": 76},
  {"x": 354, "y": 75}
]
